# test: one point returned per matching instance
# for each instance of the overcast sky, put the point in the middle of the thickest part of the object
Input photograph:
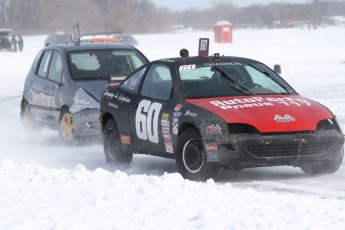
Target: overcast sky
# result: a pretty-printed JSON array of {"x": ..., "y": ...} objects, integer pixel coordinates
[{"x": 177, "y": 5}]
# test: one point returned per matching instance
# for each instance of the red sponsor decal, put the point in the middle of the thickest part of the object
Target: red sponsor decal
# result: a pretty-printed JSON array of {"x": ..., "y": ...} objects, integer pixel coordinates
[
  {"x": 165, "y": 130},
  {"x": 213, "y": 129},
  {"x": 187, "y": 67},
  {"x": 178, "y": 107},
  {"x": 211, "y": 147},
  {"x": 167, "y": 141}
]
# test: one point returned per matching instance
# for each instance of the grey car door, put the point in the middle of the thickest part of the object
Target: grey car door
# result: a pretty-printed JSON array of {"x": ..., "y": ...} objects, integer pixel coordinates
[
  {"x": 52, "y": 87},
  {"x": 38, "y": 87}
]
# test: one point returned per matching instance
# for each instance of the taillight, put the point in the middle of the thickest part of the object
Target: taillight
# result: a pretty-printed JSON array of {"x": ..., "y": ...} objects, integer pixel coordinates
[{"x": 113, "y": 85}]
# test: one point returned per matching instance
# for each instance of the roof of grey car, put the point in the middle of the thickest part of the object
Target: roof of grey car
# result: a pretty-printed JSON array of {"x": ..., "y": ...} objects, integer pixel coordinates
[{"x": 89, "y": 45}]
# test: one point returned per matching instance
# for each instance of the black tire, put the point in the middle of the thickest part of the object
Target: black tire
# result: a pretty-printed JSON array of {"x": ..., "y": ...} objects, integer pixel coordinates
[
  {"x": 25, "y": 115},
  {"x": 113, "y": 151},
  {"x": 66, "y": 128},
  {"x": 191, "y": 159},
  {"x": 322, "y": 167}
]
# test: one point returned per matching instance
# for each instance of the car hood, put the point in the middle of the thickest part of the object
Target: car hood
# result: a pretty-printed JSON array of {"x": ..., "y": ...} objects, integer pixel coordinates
[
  {"x": 94, "y": 88},
  {"x": 267, "y": 113}
]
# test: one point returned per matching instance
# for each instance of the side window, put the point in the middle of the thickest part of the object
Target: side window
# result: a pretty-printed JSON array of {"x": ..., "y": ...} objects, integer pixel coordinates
[
  {"x": 157, "y": 83},
  {"x": 44, "y": 65},
  {"x": 137, "y": 61},
  {"x": 36, "y": 61},
  {"x": 132, "y": 84},
  {"x": 55, "y": 70}
]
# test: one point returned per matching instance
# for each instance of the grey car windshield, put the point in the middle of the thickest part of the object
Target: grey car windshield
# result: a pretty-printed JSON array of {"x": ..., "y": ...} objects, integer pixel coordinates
[
  {"x": 230, "y": 79},
  {"x": 102, "y": 64}
]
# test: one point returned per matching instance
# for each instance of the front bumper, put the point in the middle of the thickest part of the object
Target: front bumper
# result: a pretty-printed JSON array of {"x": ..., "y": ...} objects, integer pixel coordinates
[
  {"x": 86, "y": 123},
  {"x": 255, "y": 150}
]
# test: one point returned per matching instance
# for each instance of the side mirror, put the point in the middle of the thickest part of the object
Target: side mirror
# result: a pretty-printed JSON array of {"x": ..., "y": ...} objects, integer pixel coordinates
[{"x": 277, "y": 69}]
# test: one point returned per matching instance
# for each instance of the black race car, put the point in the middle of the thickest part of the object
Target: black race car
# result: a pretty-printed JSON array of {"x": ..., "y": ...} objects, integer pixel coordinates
[
  {"x": 5, "y": 42},
  {"x": 217, "y": 112}
]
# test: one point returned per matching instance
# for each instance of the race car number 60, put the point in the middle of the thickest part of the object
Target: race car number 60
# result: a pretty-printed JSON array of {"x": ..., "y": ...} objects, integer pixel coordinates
[{"x": 146, "y": 120}]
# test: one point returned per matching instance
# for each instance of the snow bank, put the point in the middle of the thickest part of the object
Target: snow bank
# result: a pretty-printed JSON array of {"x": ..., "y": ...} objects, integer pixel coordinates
[{"x": 39, "y": 198}]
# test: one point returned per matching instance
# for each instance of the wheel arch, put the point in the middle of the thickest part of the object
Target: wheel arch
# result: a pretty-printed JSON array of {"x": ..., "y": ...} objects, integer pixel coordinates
[
  {"x": 23, "y": 103},
  {"x": 186, "y": 126},
  {"x": 105, "y": 118},
  {"x": 63, "y": 109}
]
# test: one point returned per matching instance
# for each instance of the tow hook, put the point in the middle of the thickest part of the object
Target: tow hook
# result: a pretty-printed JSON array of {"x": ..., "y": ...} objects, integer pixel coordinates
[{"x": 300, "y": 141}]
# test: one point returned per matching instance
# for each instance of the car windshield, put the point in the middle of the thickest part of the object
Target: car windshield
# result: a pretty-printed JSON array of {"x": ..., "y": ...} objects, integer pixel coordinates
[
  {"x": 102, "y": 64},
  {"x": 230, "y": 79}
]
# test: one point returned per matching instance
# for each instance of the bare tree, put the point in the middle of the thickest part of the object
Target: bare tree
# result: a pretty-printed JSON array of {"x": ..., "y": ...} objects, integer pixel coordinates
[{"x": 141, "y": 16}]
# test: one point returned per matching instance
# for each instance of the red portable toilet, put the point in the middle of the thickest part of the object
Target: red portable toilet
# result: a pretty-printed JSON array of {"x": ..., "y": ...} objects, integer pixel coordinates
[{"x": 223, "y": 32}]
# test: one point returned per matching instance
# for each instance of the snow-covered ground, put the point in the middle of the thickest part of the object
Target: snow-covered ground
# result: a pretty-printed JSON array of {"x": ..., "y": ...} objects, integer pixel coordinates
[{"x": 46, "y": 185}]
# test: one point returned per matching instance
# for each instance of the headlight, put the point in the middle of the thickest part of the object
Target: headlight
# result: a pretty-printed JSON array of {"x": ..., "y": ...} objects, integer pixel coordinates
[
  {"x": 238, "y": 128},
  {"x": 327, "y": 124},
  {"x": 83, "y": 100}
]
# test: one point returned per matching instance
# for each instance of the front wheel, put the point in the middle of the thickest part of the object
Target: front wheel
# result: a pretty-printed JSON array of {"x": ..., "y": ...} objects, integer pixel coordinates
[
  {"x": 323, "y": 167},
  {"x": 191, "y": 159},
  {"x": 113, "y": 151},
  {"x": 66, "y": 127}
]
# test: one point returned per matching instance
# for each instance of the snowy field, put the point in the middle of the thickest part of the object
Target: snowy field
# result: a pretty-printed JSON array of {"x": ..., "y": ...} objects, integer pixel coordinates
[{"x": 46, "y": 185}]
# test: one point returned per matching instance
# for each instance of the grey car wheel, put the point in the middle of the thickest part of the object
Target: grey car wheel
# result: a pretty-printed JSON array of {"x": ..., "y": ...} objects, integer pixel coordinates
[
  {"x": 66, "y": 127},
  {"x": 25, "y": 115}
]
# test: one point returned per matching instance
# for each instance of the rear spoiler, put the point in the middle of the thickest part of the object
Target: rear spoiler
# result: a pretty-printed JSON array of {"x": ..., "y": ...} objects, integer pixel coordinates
[{"x": 115, "y": 81}]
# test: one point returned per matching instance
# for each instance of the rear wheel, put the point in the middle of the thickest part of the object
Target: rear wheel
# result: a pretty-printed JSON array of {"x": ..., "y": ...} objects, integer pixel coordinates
[
  {"x": 25, "y": 115},
  {"x": 191, "y": 159},
  {"x": 322, "y": 167},
  {"x": 113, "y": 151}
]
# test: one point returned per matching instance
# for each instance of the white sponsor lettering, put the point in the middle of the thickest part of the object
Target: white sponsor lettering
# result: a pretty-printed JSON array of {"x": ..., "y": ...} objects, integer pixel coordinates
[
  {"x": 259, "y": 102},
  {"x": 108, "y": 94},
  {"x": 286, "y": 118},
  {"x": 113, "y": 105},
  {"x": 222, "y": 63},
  {"x": 191, "y": 114},
  {"x": 186, "y": 67}
]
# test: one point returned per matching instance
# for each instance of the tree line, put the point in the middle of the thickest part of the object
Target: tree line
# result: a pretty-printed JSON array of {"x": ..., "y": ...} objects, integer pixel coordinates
[{"x": 142, "y": 16}]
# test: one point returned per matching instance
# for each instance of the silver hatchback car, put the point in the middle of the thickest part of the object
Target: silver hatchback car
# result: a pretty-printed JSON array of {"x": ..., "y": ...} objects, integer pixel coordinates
[{"x": 63, "y": 88}]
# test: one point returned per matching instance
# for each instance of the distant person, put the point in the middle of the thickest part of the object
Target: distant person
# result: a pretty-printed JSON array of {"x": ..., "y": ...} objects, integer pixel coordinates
[
  {"x": 14, "y": 43},
  {"x": 20, "y": 43}
]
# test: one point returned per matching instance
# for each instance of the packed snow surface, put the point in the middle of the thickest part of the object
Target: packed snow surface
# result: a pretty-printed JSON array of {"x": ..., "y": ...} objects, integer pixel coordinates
[{"x": 47, "y": 185}]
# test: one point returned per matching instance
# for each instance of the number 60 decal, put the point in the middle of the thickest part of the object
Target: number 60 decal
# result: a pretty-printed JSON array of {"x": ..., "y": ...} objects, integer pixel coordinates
[{"x": 146, "y": 120}]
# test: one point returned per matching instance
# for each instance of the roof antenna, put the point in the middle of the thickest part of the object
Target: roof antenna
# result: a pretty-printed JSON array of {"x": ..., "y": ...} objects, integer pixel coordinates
[
  {"x": 77, "y": 36},
  {"x": 106, "y": 32}
]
